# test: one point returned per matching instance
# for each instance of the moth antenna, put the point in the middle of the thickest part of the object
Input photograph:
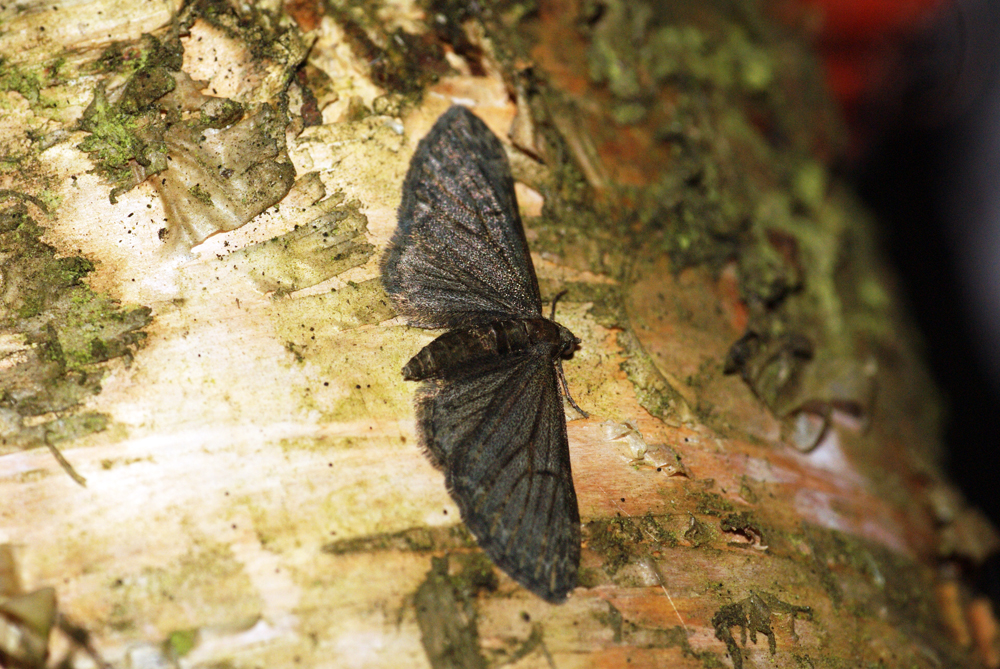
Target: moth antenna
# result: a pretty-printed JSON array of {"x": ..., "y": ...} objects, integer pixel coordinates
[
  {"x": 565, "y": 386},
  {"x": 553, "y": 316}
]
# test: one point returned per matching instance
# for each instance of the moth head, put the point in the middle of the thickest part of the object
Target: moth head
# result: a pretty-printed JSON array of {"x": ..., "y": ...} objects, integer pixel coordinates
[{"x": 568, "y": 342}]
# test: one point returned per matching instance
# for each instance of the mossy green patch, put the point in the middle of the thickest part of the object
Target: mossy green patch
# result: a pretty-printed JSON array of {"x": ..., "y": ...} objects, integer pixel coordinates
[
  {"x": 94, "y": 329},
  {"x": 637, "y": 48},
  {"x": 69, "y": 334},
  {"x": 753, "y": 615},
  {"x": 698, "y": 533},
  {"x": 616, "y": 540},
  {"x": 115, "y": 127},
  {"x": 654, "y": 528},
  {"x": 710, "y": 503},
  {"x": 227, "y": 161},
  {"x": 26, "y": 82},
  {"x": 127, "y": 131},
  {"x": 200, "y": 194},
  {"x": 180, "y": 642},
  {"x": 146, "y": 52},
  {"x": 622, "y": 539}
]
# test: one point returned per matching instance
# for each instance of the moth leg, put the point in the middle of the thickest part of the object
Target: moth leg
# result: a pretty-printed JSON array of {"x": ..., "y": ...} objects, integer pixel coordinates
[
  {"x": 559, "y": 368},
  {"x": 565, "y": 387}
]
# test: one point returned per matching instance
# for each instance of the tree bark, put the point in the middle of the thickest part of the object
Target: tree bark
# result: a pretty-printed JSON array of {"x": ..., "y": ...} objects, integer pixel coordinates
[{"x": 209, "y": 347}]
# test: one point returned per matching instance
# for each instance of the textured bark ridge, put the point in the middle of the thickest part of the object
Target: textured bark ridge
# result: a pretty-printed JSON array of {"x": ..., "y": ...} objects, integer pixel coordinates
[{"x": 213, "y": 350}]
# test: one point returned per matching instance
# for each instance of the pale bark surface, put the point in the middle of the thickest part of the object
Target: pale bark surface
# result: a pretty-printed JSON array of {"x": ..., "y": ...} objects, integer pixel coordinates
[{"x": 255, "y": 492}]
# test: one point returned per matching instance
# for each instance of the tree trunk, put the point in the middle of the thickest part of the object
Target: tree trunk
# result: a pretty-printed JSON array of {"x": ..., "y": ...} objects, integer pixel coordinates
[{"x": 209, "y": 346}]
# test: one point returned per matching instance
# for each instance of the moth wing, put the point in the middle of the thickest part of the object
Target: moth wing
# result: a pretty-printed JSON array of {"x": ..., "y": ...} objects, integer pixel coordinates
[
  {"x": 459, "y": 255},
  {"x": 499, "y": 433}
]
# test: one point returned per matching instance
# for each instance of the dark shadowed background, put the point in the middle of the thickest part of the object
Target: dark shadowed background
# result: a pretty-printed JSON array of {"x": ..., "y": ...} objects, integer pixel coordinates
[{"x": 924, "y": 104}]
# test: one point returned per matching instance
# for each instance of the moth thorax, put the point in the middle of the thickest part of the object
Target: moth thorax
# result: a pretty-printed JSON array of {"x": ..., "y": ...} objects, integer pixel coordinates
[{"x": 459, "y": 348}]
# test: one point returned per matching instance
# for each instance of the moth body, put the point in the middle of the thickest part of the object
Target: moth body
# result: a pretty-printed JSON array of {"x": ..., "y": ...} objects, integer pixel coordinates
[{"x": 458, "y": 349}]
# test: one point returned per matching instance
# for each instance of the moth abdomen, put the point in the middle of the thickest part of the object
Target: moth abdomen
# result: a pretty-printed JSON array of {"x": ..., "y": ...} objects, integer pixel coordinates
[{"x": 459, "y": 348}]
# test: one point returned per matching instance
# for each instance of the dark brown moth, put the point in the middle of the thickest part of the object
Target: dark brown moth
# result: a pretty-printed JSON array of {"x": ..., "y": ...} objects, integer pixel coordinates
[{"x": 489, "y": 409}]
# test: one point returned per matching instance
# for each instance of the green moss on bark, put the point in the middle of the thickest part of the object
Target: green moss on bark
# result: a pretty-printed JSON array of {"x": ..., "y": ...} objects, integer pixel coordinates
[{"x": 62, "y": 334}]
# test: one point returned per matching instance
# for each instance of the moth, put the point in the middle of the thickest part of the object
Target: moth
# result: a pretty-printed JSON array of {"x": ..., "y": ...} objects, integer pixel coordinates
[{"x": 489, "y": 409}]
